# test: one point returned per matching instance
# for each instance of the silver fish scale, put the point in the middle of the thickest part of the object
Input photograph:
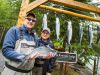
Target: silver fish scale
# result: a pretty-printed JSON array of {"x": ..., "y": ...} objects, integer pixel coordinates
[{"x": 44, "y": 51}]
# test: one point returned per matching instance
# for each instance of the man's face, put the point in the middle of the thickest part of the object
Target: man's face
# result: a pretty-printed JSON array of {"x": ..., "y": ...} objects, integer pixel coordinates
[
  {"x": 45, "y": 34},
  {"x": 30, "y": 22}
]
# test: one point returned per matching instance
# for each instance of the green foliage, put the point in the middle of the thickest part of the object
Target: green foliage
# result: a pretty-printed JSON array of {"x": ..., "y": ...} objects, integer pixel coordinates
[
  {"x": 96, "y": 48},
  {"x": 83, "y": 52},
  {"x": 58, "y": 44},
  {"x": 9, "y": 10}
]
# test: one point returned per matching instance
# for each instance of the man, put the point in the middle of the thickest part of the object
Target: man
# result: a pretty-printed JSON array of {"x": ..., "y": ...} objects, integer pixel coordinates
[
  {"x": 44, "y": 66},
  {"x": 17, "y": 46}
]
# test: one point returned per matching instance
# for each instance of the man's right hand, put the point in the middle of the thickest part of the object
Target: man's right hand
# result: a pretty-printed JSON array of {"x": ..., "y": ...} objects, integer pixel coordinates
[
  {"x": 33, "y": 56},
  {"x": 50, "y": 55}
]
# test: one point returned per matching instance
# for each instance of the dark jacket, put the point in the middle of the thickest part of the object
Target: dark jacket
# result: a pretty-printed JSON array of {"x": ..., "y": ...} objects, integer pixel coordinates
[{"x": 48, "y": 64}]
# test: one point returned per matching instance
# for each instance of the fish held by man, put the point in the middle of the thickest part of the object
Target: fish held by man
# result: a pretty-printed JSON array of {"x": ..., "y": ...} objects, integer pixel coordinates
[{"x": 60, "y": 56}]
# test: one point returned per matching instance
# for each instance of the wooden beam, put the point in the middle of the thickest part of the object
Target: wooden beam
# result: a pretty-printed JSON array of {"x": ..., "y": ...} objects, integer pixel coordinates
[
  {"x": 35, "y": 4},
  {"x": 69, "y": 13},
  {"x": 78, "y": 5},
  {"x": 22, "y": 12}
]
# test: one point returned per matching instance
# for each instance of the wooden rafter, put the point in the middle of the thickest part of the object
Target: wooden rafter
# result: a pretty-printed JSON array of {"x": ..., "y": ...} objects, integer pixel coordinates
[
  {"x": 35, "y": 4},
  {"x": 69, "y": 13},
  {"x": 77, "y": 5}
]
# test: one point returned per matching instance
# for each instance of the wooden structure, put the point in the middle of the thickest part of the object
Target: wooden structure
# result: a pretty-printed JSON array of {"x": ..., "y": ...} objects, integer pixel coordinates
[{"x": 26, "y": 6}]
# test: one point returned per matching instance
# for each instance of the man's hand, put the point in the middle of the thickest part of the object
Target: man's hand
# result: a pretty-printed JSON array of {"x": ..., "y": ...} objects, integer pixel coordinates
[
  {"x": 50, "y": 55},
  {"x": 48, "y": 73},
  {"x": 33, "y": 56}
]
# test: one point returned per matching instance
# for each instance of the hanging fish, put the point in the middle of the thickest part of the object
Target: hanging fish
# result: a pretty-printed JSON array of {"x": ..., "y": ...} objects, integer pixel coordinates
[
  {"x": 80, "y": 33},
  {"x": 69, "y": 32},
  {"x": 57, "y": 27},
  {"x": 90, "y": 35},
  {"x": 44, "y": 23},
  {"x": 98, "y": 34}
]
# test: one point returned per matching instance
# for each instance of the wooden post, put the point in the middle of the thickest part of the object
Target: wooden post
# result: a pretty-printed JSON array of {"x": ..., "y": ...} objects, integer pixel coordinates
[
  {"x": 94, "y": 67},
  {"x": 66, "y": 68},
  {"x": 22, "y": 13}
]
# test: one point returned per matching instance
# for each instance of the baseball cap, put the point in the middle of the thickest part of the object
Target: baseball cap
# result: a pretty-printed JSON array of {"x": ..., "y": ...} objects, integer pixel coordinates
[
  {"x": 47, "y": 29},
  {"x": 31, "y": 14}
]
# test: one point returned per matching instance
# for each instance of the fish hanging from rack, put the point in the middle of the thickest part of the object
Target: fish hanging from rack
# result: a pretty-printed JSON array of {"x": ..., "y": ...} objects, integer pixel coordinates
[
  {"x": 90, "y": 35},
  {"x": 80, "y": 33},
  {"x": 69, "y": 32},
  {"x": 57, "y": 28},
  {"x": 44, "y": 23},
  {"x": 98, "y": 34}
]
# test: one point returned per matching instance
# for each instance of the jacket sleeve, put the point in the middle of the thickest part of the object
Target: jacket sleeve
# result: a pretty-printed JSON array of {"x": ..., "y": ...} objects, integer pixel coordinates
[{"x": 9, "y": 45}]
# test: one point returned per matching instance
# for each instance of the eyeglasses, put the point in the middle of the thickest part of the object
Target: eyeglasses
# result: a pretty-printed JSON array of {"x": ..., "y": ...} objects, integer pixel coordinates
[
  {"x": 45, "y": 32},
  {"x": 29, "y": 19}
]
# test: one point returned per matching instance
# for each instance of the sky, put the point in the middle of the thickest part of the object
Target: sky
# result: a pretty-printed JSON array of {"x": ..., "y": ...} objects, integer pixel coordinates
[{"x": 95, "y": 1}]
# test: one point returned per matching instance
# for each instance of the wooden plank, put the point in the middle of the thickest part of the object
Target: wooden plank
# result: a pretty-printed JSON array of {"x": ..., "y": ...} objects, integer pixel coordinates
[
  {"x": 69, "y": 13},
  {"x": 35, "y": 4},
  {"x": 22, "y": 12},
  {"x": 66, "y": 69},
  {"x": 78, "y": 5}
]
